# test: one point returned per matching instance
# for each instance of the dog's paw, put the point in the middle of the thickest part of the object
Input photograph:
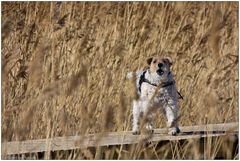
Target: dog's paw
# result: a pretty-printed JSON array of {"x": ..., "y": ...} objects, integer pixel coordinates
[
  {"x": 151, "y": 131},
  {"x": 136, "y": 132},
  {"x": 174, "y": 131}
]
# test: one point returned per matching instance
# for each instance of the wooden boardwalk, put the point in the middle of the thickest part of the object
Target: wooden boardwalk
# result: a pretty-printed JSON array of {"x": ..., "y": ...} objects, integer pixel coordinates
[{"x": 116, "y": 138}]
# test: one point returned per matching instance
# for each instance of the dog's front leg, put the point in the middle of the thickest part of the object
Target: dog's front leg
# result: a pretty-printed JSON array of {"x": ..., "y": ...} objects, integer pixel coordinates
[
  {"x": 148, "y": 115},
  {"x": 136, "y": 115},
  {"x": 149, "y": 123},
  {"x": 172, "y": 122}
]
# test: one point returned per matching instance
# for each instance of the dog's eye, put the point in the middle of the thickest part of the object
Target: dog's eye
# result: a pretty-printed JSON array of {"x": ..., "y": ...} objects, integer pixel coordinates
[{"x": 154, "y": 61}]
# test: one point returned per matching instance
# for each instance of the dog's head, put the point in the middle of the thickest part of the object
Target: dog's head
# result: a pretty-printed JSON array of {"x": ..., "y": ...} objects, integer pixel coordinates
[{"x": 159, "y": 66}]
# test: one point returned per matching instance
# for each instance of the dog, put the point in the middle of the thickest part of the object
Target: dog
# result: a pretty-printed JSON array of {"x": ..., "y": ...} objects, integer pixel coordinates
[{"x": 156, "y": 88}]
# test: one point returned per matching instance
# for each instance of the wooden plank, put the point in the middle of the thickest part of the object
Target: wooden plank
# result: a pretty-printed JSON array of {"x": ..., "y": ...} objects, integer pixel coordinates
[
  {"x": 113, "y": 138},
  {"x": 207, "y": 128}
]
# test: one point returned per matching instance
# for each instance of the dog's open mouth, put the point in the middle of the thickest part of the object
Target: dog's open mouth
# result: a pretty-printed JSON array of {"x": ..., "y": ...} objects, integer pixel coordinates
[{"x": 160, "y": 72}]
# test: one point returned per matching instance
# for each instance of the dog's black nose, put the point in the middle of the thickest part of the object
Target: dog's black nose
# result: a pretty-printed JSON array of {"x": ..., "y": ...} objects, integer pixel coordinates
[{"x": 160, "y": 65}]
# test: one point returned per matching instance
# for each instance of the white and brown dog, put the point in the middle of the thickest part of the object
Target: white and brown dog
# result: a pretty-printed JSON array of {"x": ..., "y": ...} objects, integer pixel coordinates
[{"x": 157, "y": 77}]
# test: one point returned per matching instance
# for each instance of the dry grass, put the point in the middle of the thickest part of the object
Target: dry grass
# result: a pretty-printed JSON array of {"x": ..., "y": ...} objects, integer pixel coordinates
[{"x": 64, "y": 68}]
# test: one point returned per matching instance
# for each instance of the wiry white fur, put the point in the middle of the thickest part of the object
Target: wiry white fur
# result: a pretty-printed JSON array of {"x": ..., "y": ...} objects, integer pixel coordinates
[{"x": 166, "y": 99}]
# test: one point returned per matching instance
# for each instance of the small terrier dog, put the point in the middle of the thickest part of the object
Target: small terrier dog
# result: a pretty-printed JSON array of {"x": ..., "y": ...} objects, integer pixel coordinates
[{"x": 156, "y": 88}]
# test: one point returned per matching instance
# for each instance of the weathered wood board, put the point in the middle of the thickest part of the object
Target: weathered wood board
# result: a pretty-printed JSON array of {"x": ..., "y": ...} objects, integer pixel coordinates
[{"x": 115, "y": 138}]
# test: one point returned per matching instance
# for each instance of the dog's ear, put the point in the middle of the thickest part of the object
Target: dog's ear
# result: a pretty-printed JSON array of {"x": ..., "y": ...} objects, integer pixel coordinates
[
  {"x": 168, "y": 60},
  {"x": 149, "y": 60}
]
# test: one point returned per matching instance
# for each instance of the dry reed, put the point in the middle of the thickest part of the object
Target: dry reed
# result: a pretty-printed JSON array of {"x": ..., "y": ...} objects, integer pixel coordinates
[{"x": 64, "y": 66}]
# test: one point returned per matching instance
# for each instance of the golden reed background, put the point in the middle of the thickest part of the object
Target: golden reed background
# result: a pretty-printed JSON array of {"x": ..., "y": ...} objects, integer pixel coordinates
[{"x": 64, "y": 66}]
